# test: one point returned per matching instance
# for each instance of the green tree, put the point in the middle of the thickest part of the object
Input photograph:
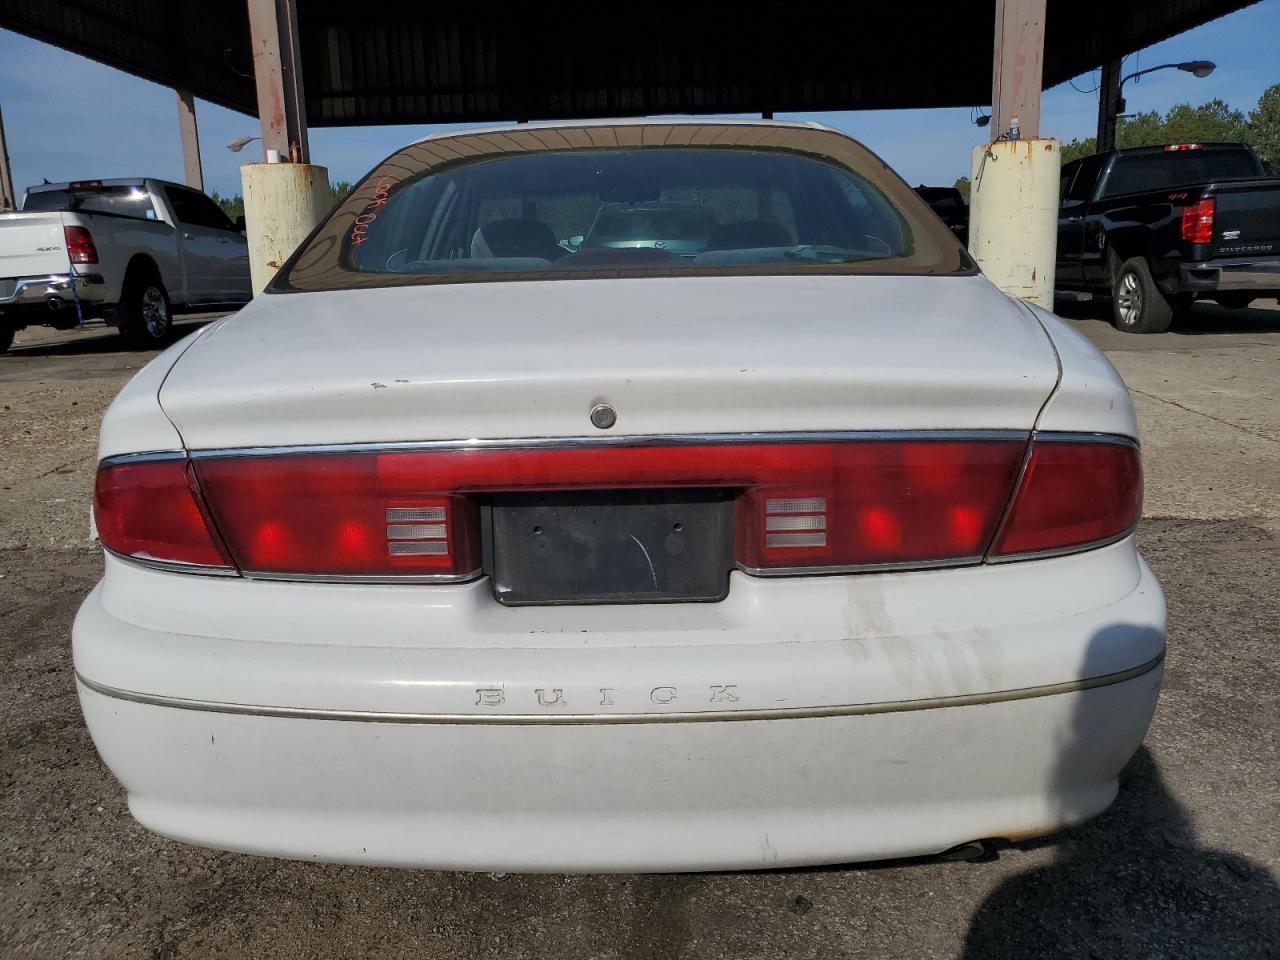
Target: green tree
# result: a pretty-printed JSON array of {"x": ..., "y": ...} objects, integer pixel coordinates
[
  {"x": 1206, "y": 123},
  {"x": 340, "y": 189},
  {"x": 234, "y": 206},
  {"x": 962, "y": 184},
  {"x": 1264, "y": 126}
]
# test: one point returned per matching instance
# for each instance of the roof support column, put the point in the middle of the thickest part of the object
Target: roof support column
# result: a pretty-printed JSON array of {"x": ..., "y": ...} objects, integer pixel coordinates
[
  {"x": 1017, "y": 67},
  {"x": 283, "y": 202},
  {"x": 277, "y": 71},
  {"x": 7, "y": 200},
  {"x": 190, "y": 134},
  {"x": 1013, "y": 214}
]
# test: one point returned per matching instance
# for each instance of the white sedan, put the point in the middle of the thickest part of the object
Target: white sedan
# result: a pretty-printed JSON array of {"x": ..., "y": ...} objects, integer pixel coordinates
[{"x": 470, "y": 547}]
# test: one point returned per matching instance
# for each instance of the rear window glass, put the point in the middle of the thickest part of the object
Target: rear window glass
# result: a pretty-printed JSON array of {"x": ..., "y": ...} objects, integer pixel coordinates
[
  {"x": 1141, "y": 172},
  {"x": 542, "y": 214},
  {"x": 124, "y": 201}
]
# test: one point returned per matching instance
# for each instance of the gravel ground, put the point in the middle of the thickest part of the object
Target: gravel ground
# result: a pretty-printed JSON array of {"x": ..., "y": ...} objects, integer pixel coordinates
[{"x": 1183, "y": 865}]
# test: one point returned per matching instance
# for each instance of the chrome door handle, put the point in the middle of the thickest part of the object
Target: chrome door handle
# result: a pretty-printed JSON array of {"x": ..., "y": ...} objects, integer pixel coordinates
[
  {"x": 1075, "y": 219},
  {"x": 187, "y": 236}
]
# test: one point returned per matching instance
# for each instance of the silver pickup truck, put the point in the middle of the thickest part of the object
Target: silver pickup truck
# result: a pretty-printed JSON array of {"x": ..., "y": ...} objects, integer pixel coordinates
[{"x": 132, "y": 252}]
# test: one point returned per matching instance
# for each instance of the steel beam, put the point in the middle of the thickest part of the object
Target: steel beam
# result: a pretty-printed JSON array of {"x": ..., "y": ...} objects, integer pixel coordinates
[
  {"x": 1017, "y": 67},
  {"x": 190, "y": 140},
  {"x": 1108, "y": 105},
  {"x": 277, "y": 72},
  {"x": 7, "y": 199}
]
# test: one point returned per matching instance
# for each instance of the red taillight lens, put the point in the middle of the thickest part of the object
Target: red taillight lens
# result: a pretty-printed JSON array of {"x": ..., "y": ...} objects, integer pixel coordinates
[
  {"x": 151, "y": 511},
  {"x": 1073, "y": 494},
  {"x": 80, "y": 247},
  {"x": 346, "y": 515},
  {"x": 799, "y": 504},
  {"x": 868, "y": 503},
  {"x": 1197, "y": 221}
]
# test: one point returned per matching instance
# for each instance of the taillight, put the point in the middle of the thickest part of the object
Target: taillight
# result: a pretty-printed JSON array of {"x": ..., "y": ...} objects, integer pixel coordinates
[
  {"x": 798, "y": 506},
  {"x": 80, "y": 247},
  {"x": 1073, "y": 494},
  {"x": 879, "y": 502},
  {"x": 340, "y": 515},
  {"x": 150, "y": 511},
  {"x": 1197, "y": 221}
]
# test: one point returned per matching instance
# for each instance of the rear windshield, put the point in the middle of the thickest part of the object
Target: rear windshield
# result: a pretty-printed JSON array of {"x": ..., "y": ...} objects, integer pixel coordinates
[
  {"x": 124, "y": 201},
  {"x": 1141, "y": 172},
  {"x": 647, "y": 210}
]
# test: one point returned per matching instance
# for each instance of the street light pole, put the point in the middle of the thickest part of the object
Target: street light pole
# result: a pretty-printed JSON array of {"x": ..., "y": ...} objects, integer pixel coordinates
[
  {"x": 1108, "y": 105},
  {"x": 1111, "y": 93}
]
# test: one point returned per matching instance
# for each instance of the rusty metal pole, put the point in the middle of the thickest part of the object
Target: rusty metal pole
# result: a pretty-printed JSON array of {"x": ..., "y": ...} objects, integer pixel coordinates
[
  {"x": 277, "y": 72},
  {"x": 7, "y": 199},
  {"x": 190, "y": 140},
  {"x": 1108, "y": 105},
  {"x": 1017, "y": 67}
]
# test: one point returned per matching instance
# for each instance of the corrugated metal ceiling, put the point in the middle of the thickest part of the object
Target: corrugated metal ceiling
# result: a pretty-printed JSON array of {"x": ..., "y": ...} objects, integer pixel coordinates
[{"x": 401, "y": 62}]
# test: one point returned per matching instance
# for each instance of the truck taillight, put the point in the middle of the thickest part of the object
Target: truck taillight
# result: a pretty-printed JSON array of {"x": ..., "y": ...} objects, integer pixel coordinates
[
  {"x": 1197, "y": 221},
  {"x": 799, "y": 506},
  {"x": 80, "y": 247},
  {"x": 150, "y": 510}
]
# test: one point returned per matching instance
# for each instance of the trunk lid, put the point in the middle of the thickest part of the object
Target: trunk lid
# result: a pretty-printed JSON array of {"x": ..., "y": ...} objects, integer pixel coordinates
[
  {"x": 32, "y": 245},
  {"x": 1246, "y": 217},
  {"x": 671, "y": 355}
]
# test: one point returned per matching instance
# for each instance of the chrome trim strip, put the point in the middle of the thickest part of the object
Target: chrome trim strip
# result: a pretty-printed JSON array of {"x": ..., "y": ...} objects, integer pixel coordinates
[
  {"x": 1061, "y": 551},
  {"x": 903, "y": 566},
  {"x": 633, "y": 440},
  {"x": 602, "y": 719},
  {"x": 151, "y": 456},
  {"x": 1063, "y": 436},
  {"x": 340, "y": 578},
  {"x": 173, "y": 566}
]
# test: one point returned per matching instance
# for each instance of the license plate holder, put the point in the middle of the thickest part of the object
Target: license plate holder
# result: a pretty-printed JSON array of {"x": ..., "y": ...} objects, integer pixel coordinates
[{"x": 613, "y": 546}]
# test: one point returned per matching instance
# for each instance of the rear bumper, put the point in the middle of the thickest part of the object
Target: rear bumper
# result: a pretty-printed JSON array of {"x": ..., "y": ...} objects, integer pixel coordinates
[
  {"x": 65, "y": 288},
  {"x": 879, "y": 722},
  {"x": 1257, "y": 275}
]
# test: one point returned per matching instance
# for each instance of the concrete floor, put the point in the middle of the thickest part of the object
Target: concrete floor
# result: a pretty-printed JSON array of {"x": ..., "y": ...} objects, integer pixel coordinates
[{"x": 1184, "y": 865}]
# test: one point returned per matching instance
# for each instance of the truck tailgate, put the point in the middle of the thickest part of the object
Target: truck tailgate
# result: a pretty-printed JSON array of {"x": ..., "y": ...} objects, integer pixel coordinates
[
  {"x": 32, "y": 245},
  {"x": 1246, "y": 217}
]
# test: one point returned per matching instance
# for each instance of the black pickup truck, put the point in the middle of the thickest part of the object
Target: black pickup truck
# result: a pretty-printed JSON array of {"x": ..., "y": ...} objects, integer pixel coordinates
[{"x": 1158, "y": 227}]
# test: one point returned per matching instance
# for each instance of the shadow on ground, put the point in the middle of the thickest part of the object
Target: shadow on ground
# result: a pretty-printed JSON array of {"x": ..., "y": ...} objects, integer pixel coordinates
[
  {"x": 97, "y": 338},
  {"x": 1135, "y": 883},
  {"x": 1204, "y": 318}
]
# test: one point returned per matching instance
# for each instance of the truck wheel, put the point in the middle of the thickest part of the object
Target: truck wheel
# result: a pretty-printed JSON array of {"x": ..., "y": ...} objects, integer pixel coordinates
[
  {"x": 6, "y": 338},
  {"x": 145, "y": 315},
  {"x": 1136, "y": 301}
]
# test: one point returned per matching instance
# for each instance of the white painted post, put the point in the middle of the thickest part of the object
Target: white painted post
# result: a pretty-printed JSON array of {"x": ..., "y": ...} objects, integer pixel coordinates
[
  {"x": 1013, "y": 215},
  {"x": 1013, "y": 194},
  {"x": 283, "y": 202}
]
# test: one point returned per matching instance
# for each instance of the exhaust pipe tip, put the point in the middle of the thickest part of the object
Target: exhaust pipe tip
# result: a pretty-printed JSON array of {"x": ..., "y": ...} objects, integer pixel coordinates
[{"x": 55, "y": 304}]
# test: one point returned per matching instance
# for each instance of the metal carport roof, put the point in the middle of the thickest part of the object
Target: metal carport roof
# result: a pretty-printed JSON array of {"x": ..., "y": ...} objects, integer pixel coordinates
[{"x": 399, "y": 62}]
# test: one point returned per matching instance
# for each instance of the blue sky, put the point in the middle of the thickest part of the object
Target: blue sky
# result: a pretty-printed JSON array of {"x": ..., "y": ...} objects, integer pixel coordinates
[{"x": 69, "y": 118}]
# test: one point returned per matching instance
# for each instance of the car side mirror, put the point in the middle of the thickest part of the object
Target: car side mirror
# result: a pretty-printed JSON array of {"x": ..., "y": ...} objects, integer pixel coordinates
[
  {"x": 238, "y": 224},
  {"x": 574, "y": 242}
]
